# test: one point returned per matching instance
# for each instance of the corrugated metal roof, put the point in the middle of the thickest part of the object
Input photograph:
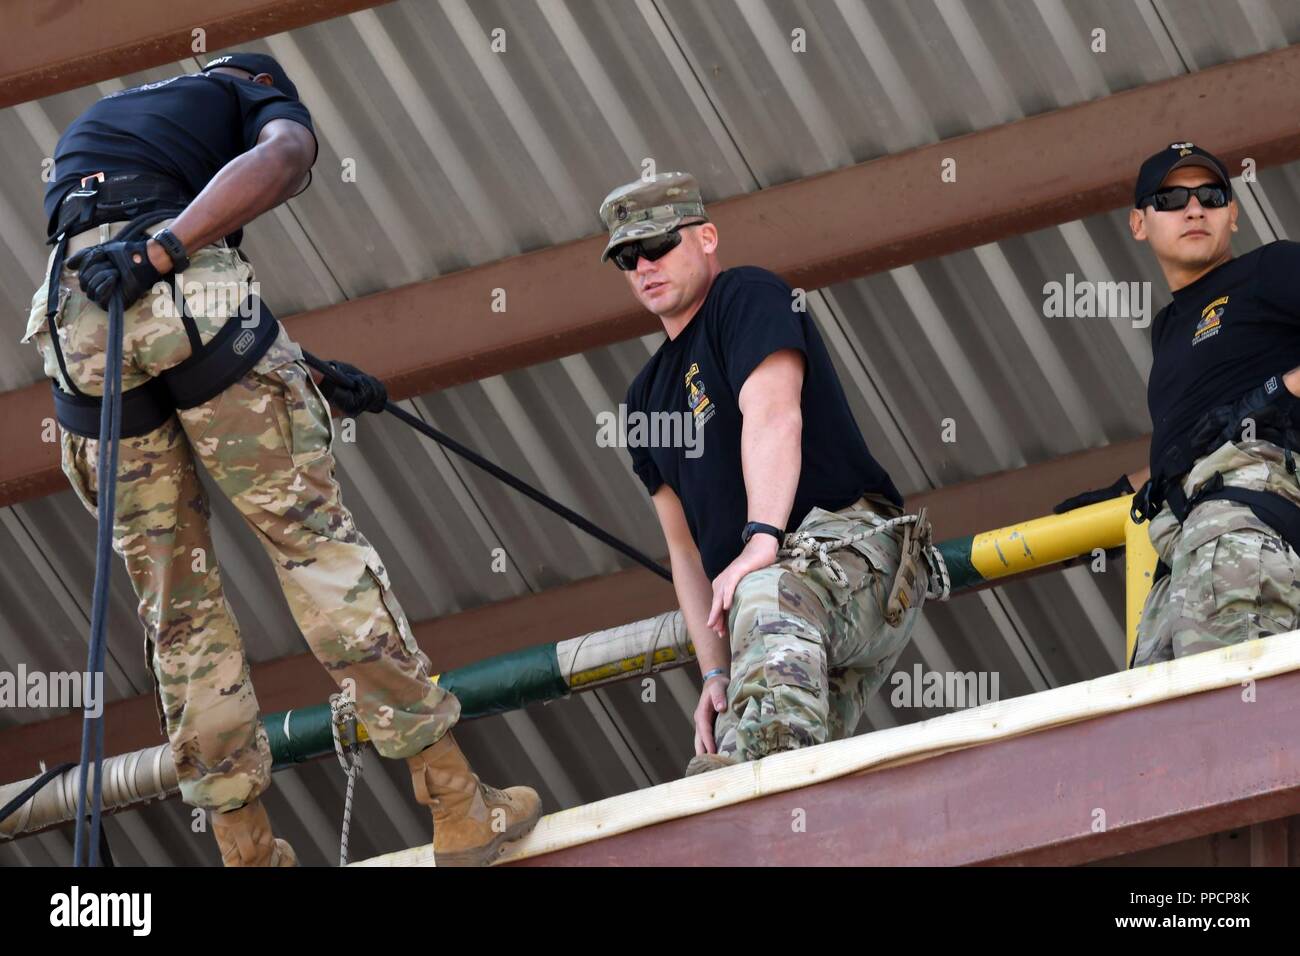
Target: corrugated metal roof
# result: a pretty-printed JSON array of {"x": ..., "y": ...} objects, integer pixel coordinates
[{"x": 464, "y": 155}]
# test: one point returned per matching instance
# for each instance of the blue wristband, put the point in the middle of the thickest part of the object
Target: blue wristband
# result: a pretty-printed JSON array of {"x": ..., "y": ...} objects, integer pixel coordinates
[{"x": 716, "y": 672}]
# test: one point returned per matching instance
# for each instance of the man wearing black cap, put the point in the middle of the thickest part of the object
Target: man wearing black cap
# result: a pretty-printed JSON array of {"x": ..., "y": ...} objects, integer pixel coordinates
[
  {"x": 1222, "y": 495},
  {"x": 150, "y": 183}
]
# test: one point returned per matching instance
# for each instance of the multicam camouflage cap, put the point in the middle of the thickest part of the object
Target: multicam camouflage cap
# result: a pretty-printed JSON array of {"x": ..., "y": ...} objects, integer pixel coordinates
[{"x": 650, "y": 207}]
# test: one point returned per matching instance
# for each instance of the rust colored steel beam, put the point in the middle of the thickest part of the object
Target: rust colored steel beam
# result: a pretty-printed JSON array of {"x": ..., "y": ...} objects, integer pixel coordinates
[
  {"x": 1162, "y": 773},
  {"x": 563, "y": 612},
  {"x": 54, "y": 47},
  {"x": 829, "y": 228}
]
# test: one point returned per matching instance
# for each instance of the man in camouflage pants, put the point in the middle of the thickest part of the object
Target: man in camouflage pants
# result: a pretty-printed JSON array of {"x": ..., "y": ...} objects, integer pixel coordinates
[
  {"x": 792, "y": 640},
  {"x": 1222, "y": 495},
  {"x": 266, "y": 442}
]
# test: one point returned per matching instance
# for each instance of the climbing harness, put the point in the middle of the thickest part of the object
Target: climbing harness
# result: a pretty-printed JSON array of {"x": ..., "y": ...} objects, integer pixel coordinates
[
  {"x": 210, "y": 369},
  {"x": 1165, "y": 486}
]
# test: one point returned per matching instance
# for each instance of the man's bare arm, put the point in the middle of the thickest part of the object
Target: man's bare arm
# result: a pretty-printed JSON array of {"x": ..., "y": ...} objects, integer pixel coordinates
[
  {"x": 771, "y": 434},
  {"x": 693, "y": 596},
  {"x": 246, "y": 187},
  {"x": 689, "y": 581},
  {"x": 771, "y": 458}
]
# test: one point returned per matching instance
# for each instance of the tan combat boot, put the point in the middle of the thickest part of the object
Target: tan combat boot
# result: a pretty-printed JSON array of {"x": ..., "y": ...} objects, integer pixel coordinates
[
  {"x": 245, "y": 838},
  {"x": 706, "y": 763},
  {"x": 471, "y": 821}
]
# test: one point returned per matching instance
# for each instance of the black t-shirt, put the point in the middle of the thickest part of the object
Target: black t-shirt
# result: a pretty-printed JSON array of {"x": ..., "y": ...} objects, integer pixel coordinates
[
  {"x": 747, "y": 315},
  {"x": 185, "y": 128},
  {"x": 1220, "y": 337}
]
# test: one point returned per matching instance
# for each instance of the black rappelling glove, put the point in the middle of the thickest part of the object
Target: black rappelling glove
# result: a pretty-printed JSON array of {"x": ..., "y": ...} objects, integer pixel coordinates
[
  {"x": 362, "y": 393},
  {"x": 1269, "y": 407},
  {"x": 1122, "y": 487},
  {"x": 114, "y": 265}
]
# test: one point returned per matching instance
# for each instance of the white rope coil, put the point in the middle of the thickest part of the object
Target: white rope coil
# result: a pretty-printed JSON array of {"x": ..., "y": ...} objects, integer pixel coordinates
[{"x": 343, "y": 728}]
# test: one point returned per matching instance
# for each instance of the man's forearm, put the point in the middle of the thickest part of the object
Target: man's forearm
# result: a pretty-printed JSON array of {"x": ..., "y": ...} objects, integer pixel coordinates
[
  {"x": 245, "y": 188},
  {"x": 694, "y": 597},
  {"x": 771, "y": 458}
]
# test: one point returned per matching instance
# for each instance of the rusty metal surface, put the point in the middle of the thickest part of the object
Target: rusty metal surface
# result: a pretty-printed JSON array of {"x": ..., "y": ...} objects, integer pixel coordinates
[
  {"x": 1071, "y": 166},
  {"x": 53, "y": 47},
  {"x": 1170, "y": 771}
]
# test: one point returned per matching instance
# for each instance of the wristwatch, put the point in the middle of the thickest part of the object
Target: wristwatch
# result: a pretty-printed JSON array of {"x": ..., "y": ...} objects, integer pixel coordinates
[
  {"x": 757, "y": 527},
  {"x": 167, "y": 239}
]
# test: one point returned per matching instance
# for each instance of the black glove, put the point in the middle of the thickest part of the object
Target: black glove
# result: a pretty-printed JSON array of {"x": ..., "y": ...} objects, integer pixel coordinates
[
  {"x": 1268, "y": 406},
  {"x": 1121, "y": 487},
  {"x": 362, "y": 393},
  {"x": 114, "y": 265}
]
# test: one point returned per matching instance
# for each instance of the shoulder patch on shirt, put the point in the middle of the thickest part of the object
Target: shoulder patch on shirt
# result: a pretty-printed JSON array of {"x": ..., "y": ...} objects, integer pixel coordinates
[{"x": 1211, "y": 319}]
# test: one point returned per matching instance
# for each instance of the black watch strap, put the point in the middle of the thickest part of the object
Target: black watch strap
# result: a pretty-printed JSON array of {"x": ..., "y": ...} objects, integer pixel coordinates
[
  {"x": 757, "y": 527},
  {"x": 167, "y": 239}
]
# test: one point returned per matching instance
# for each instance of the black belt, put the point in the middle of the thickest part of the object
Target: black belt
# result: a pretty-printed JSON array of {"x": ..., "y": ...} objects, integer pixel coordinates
[
  {"x": 120, "y": 197},
  {"x": 1274, "y": 510},
  {"x": 1278, "y": 512}
]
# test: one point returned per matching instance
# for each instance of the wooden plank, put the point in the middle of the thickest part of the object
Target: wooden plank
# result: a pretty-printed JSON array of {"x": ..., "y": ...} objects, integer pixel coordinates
[{"x": 603, "y": 831}]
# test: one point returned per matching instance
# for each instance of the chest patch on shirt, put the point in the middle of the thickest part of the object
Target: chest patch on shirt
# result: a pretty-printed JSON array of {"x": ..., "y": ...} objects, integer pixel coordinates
[
  {"x": 1211, "y": 319},
  {"x": 702, "y": 407}
]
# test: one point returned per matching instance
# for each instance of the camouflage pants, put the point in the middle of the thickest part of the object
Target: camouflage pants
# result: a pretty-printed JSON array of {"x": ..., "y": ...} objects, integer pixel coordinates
[
  {"x": 265, "y": 441},
  {"x": 1231, "y": 578},
  {"x": 807, "y": 652}
]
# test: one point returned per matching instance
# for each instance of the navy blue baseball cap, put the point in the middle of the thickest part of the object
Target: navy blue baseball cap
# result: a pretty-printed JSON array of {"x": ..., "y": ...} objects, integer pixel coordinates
[
  {"x": 1174, "y": 156},
  {"x": 256, "y": 63}
]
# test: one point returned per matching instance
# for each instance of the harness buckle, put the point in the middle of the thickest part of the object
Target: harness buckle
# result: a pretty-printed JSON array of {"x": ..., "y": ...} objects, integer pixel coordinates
[
  {"x": 99, "y": 176},
  {"x": 916, "y": 535}
]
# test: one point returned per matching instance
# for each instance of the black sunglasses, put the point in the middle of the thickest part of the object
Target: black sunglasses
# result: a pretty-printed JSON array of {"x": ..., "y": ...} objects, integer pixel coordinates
[
  {"x": 1172, "y": 198},
  {"x": 653, "y": 248}
]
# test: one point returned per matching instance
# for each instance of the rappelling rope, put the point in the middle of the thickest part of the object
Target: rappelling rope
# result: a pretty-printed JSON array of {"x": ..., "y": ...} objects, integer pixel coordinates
[
  {"x": 86, "y": 842},
  {"x": 343, "y": 727},
  {"x": 496, "y": 471}
]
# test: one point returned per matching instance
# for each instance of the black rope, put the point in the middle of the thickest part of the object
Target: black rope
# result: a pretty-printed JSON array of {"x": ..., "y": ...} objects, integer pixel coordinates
[
  {"x": 12, "y": 806},
  {"x": 89, "y": 843},
  {"x": 496, "y": 471},
  {"x": 86, "y": 844}
]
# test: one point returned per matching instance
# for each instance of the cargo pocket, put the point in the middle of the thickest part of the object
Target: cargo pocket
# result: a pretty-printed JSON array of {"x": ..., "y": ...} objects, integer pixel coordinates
[
  {"x": 796, "y": 708},
  {"x": 794, "y": 655},
  {"x": 79, "y": 470},
  {"x": 1238, "y": 585},
  {"x": 301, "y": 413},
  {"x": 375, "y": 567},
  {"x": 1252, "y": 576},
  {"x": 40, "y": 331}
]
